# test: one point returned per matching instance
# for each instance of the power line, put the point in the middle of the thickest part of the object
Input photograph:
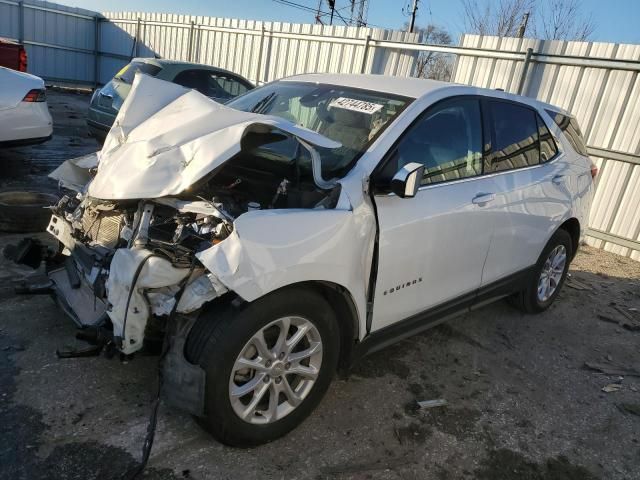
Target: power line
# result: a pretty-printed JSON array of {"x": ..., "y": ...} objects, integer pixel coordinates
[{"x": 321, "y": 13}]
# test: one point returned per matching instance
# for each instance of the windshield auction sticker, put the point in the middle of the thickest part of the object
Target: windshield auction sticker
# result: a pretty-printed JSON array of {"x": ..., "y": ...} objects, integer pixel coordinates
[{"x": 356, "y": 105}]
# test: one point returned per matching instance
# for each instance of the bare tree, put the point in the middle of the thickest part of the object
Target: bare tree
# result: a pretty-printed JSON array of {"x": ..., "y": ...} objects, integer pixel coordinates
[
  {"x": 501, "y": 18},
  {"x": 564, "y": 20},
  {"x": 549, "y": 19},
  {"x": 434, "y": 65}
]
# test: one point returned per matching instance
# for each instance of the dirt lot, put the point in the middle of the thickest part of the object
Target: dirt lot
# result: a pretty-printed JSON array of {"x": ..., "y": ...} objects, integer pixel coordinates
[{"x": 521, "y": 402}]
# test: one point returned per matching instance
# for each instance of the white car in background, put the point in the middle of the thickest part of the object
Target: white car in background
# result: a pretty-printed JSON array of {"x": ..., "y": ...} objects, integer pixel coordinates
[{"x": 24, "y": 114}]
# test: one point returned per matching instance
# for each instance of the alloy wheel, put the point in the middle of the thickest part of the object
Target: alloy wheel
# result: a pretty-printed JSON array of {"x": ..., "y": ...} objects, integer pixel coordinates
[
  {"x": 552, "y": 272},
  {"x": 275, "y": 370}
]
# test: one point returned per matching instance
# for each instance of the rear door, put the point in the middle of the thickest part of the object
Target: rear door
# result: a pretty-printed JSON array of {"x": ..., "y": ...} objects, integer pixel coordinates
[
  {"x": 432, "y": 247},
  {"x": 532, "y": 194}
]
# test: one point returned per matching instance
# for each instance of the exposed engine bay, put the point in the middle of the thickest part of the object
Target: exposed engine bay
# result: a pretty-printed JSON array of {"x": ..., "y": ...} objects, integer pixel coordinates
[
  {"x": 139, "y": 215},
  {"x": 114, "y": 245}
]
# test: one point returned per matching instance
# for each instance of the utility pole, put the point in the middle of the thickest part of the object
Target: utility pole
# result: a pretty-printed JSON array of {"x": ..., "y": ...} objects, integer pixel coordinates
[
  {"x": 332, "y": 6},
  {"x": 414, "y": 10},
  {"x": 523, "y": 25}
]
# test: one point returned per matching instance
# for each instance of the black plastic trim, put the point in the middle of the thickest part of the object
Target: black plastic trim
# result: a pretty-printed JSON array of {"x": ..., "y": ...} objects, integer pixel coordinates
[{"x": 441, "y": 313}]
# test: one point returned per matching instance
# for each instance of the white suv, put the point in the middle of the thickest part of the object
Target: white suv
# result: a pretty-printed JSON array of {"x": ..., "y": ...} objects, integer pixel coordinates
[{"x": 307, "y": 223}]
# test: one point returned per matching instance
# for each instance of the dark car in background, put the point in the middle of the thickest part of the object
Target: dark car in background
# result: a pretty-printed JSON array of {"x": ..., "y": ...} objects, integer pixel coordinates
[
  {"x": 216, "y": 83},
  {"x": 12, "y": 55}
]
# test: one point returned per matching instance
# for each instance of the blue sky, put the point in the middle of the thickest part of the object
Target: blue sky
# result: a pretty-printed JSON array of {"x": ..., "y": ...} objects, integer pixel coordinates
[{"x": 616, "y": 20}]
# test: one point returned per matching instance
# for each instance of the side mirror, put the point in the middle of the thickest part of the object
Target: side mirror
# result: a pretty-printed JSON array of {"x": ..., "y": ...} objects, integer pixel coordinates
[{"x": 406, "y": 181}]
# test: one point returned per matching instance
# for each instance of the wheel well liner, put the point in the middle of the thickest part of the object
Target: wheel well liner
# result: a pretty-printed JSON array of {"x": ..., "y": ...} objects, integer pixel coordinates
[
  {"x": 345, "y": 310},
  {"x": 336, "y": 296},
  {"x": 572, "y": 227}
]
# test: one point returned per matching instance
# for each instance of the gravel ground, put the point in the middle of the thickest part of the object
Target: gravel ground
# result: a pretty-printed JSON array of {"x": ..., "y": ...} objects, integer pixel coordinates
[{"x": 521, "y": 402}]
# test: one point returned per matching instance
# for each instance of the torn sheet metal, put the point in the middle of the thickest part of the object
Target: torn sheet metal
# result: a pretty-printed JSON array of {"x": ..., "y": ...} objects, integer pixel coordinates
[
  {"x": 74, "y": 173},
  {"x": 166, "y": 137},
  {"x": 131, "y": 272},
  {"x": 141, "y": 283}
]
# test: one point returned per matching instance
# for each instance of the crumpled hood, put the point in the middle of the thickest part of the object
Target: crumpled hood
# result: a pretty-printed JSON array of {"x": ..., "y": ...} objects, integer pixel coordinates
[{"x": 166, "y": 137}]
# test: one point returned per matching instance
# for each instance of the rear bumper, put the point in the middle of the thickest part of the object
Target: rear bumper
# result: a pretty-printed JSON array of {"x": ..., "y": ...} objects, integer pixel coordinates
[
  {"x": 25, "y": 141},
  {"x": 28, "y": 122}
]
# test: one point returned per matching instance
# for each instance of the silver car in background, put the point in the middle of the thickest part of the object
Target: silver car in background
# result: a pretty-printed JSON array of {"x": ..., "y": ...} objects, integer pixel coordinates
[{"x": 216, "y": 83}]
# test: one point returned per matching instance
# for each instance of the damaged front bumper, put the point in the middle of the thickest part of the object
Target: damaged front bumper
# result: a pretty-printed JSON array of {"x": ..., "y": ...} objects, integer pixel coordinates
[{"x": 121, "y": 290}]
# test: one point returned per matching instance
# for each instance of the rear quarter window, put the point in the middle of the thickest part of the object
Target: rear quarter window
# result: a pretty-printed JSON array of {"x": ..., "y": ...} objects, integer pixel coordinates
[
  {"x": 128, "y": 73},
  {"x": 571, "y": 129}
]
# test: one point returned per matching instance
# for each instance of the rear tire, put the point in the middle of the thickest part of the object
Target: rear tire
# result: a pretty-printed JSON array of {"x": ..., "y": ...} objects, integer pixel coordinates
[
  {"x": 224, "y": 341},
  {"x": 535, "y": 298}
]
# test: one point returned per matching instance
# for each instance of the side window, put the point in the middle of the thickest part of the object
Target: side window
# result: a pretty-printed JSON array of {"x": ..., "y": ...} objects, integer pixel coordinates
[
  {"x": 548, "y": 148},
  {"x": 570, "y": 128},
  {"x": 447, "y": 140},
  {"x": 515, "y": 137},
  {"x": 195, "y": 79},
  {"x": 226, "y": 87}
]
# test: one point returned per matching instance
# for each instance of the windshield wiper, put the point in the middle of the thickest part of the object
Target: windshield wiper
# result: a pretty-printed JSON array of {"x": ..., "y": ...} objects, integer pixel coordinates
[{"x": 262, "y": 104}]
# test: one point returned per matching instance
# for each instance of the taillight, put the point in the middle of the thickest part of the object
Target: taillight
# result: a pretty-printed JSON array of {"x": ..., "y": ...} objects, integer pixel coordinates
[
  {"x": 23, "y": 60},
  {"x": 594, "y": 171},
  {"x": 35, "y": 95}
]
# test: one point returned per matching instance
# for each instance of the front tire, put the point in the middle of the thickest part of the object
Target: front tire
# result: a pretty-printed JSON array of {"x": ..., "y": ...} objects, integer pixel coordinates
[
  {"x": 549, "y": 275},
  {"x": 267, "y": 365}
]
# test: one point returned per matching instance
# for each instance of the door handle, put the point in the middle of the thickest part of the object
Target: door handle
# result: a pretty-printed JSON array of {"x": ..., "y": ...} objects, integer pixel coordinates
[
  {"x": 483, "y": 198},
  {"x": 558, "y": 179},
  {"x": 106, "y": 95}
]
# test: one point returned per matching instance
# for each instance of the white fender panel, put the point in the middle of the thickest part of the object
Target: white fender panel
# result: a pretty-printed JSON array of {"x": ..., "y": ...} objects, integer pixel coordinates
[{"x": 270, "y": 249}]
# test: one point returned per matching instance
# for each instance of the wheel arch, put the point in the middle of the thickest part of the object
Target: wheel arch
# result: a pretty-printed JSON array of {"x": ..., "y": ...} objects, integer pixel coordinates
[
  {"x": 337, "y": 296},
  {"x": 344, "y": 307},
  {"x": 572, "y": 227}
]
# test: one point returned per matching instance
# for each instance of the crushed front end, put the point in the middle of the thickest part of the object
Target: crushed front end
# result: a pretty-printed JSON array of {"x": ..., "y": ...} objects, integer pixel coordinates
[{"x": 133, "y": 261}]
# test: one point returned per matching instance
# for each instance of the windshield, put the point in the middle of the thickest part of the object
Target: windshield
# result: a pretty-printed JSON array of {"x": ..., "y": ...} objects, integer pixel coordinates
[{"x": 351, "y": 116}]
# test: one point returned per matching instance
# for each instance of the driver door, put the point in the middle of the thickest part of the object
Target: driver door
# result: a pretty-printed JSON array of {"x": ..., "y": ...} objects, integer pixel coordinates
[{"x": 432, "y": 247}]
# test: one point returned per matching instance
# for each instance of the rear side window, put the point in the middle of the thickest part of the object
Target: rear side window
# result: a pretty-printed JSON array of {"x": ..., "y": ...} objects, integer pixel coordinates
[
  {"x": 570, "y": 128},
  {"x": 515, "y": 142},
  {"x": 128, "y": 73},
  {"x": 215, "y": 85},
  {"x": 548, "y": 148},
  {"x": 228, "y": 87}
]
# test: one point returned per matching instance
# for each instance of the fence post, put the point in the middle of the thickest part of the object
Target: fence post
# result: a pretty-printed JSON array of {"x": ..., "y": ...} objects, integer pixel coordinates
[
  {"x": 190, "y": 43},
  {"x": 525, "y": 68},
  {"x": 259, "y": 69},
  {"x": 364, "y": 54},
  {"x": 137, "y": 39},
  {"x": 267, "y": 60},
  {"x": 21, "y": 21},
  {"x": 96, "y": 52}
]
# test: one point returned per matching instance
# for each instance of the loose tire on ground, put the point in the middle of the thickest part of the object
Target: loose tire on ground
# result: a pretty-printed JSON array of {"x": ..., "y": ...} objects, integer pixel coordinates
[
  {"x": 25, "y": 211},
  {"x": 222, "y": 333}
]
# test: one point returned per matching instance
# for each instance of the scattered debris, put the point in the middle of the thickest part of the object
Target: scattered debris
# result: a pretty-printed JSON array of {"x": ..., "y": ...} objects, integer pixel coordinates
[
  {"x": 612, "y": 369},
  {"x": 632, "y": 408},
  {"x": 624, "y": 313},
  {"x": 439, "y": 402},
  {"x": 628, "y": 322},
  {"x": 612, "y": 387},
  {"x": 577, "y": 284},
  {"x": 29, "y": 251}
]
